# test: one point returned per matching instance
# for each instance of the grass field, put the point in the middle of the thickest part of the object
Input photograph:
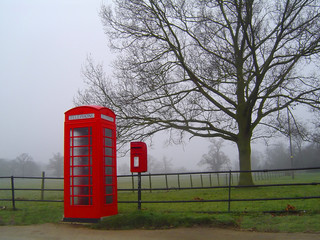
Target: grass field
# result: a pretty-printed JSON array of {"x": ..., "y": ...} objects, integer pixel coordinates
[{"x": 246, "y": 215}]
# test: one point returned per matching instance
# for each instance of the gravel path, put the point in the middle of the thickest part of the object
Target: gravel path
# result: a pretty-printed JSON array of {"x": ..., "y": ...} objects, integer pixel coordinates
[{"x": 76, "y": 232}]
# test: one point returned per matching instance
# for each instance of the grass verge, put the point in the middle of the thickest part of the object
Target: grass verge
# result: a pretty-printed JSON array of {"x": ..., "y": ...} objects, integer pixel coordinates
[
  {"x": 38, "y": 213},
  {"x": 262, "y": 222},
  {"x": 155, "y": 220},
  {"x": 32, "y": 213},
  {"x": 303, "y": 222}
]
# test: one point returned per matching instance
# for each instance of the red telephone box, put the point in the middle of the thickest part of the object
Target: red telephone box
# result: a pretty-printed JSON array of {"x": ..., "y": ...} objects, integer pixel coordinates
[
  {"x": 90, "y": 176},
  {"x": 138, "y": 157}
]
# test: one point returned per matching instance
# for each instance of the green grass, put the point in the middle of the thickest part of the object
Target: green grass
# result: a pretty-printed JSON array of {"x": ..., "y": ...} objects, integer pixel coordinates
[
  {"x": 31, "y": 213},
  {"x": 303, "y": 222},
  {"x": 244, "y": 215},
  {"x": 156, "y": 220}
]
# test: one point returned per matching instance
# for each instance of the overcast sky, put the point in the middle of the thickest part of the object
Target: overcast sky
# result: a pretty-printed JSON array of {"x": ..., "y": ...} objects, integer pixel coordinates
[{"x": 43, "y": 45}]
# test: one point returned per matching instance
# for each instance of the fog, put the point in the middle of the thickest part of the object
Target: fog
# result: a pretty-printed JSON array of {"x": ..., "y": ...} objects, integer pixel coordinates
[{"x": 43, "y": 46}]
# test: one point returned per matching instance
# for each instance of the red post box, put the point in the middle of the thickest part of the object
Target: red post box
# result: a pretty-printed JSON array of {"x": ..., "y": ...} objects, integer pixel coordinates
[
  {"x": 90, "y": 176},
  {"x": 138, "y": 157}
]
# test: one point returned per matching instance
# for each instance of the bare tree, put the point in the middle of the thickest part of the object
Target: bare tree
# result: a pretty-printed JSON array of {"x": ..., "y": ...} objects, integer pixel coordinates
[
  {"x": 56, "y": 164},
  {"x": 24, "y": 165},
  {"x": 215, "y": 159},
  {"x": 167, "y": 165},
  {"x": 209, "y": 68}
]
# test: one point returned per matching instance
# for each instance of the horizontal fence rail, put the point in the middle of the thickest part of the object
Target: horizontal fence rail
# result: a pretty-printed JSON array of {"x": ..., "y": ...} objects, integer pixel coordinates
[{"x": 168, "y": 182}]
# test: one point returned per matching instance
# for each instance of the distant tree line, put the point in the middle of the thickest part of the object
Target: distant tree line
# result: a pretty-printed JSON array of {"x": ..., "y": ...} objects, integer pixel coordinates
[
  {"x": 25, "y": 166},
  {"x": 278, "y": 156},
  {"x": 21, "y": 166}
]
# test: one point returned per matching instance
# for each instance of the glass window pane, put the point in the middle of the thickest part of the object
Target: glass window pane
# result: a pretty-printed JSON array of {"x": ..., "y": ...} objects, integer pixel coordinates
[
  {"x": 108, "y": 151},
  {"x": 80, "y": 161},
  {"x": 81, "y": 171},
  {"x": 108, "y": 180},
  {"x": 80, "y": 151},
  {"x": 81, "y": 200},
  {"x": 109, "y": 199},
  {"x": 81, "y": 141},
  {"x": 107, "y": 132},
  {"x": 80, "y": 131},
  {"x": 108, "y": 142},
  {"x": 108, "y": 170},
  {"x": 80, "y": 180},
  {"x": 81, "y": 191},
  {"x": 109, "y": 189},
  {"x": 108, "y": 160}
]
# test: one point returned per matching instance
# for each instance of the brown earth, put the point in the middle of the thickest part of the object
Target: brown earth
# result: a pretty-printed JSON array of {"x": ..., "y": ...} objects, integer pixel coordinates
[{"x": 78, "y": 232}]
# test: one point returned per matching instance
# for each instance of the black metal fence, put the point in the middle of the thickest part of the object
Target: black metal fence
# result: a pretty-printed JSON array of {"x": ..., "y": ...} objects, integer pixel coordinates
[{"x": 173, "y": 181}]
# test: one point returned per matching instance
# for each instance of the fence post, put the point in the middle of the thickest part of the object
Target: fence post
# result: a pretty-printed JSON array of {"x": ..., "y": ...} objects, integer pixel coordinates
[
  {"x": 150, "y": 184},
  {"x": 191, "y": 181},
  {"x": 12, "y": 194},
  {"x": 227, "y": 179},
  {"x": 179, "y": 181},
  {"x": 218, "y": 179},
  {"x": 201, "y": 180},
  {"x": 210, "y": 180},
  {"x": 166, "y": 176},
  {"x": 42, "y": 185},
  {"x": 229, "y": 198}
]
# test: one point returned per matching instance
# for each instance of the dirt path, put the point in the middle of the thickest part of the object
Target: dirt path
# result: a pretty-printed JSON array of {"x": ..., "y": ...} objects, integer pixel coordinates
[{"x": 75, "y": 232}]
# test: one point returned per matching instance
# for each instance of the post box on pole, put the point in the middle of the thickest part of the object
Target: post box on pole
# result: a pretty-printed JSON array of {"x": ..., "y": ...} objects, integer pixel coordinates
[{"x": 139, "y": 163}]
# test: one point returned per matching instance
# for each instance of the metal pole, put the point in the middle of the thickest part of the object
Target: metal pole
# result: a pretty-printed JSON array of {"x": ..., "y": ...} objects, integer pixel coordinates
[
  {"x": 166, "y": 176},
  {"x": 290, "y": 143},
  {"x": 139, "y": 190},
  {"x": 12, "y": 193},
  {"x": 132, "y": 181},
  {"x": 42, "y": 185},
  {"x": 229, "y": 197},
  {"x": 150, "y": 184}
]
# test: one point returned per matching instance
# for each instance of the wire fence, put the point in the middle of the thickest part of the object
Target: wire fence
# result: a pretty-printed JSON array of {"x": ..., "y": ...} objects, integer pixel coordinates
[{"x": 50, "y": 189}]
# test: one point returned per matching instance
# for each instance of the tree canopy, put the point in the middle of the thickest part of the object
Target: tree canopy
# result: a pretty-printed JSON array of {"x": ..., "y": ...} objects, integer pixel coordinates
[{"x": 210, "y": 68}]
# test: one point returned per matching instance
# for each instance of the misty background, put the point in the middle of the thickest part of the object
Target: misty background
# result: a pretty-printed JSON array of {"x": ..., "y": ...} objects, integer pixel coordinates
[{"x": 44, "y": 45}]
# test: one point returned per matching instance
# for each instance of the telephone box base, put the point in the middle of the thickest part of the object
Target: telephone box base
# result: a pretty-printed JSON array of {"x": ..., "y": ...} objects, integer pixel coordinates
[{"x": 82, "y": 220}]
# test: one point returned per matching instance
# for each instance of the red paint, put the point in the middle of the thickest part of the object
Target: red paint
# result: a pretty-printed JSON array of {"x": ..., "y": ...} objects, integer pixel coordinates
[
  {"x": 90, "y": 169},
  {"x": 138, "y": 157}
]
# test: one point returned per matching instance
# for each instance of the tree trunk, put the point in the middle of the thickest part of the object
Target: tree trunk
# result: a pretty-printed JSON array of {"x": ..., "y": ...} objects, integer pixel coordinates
[{"x": 244, "y": 148}]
